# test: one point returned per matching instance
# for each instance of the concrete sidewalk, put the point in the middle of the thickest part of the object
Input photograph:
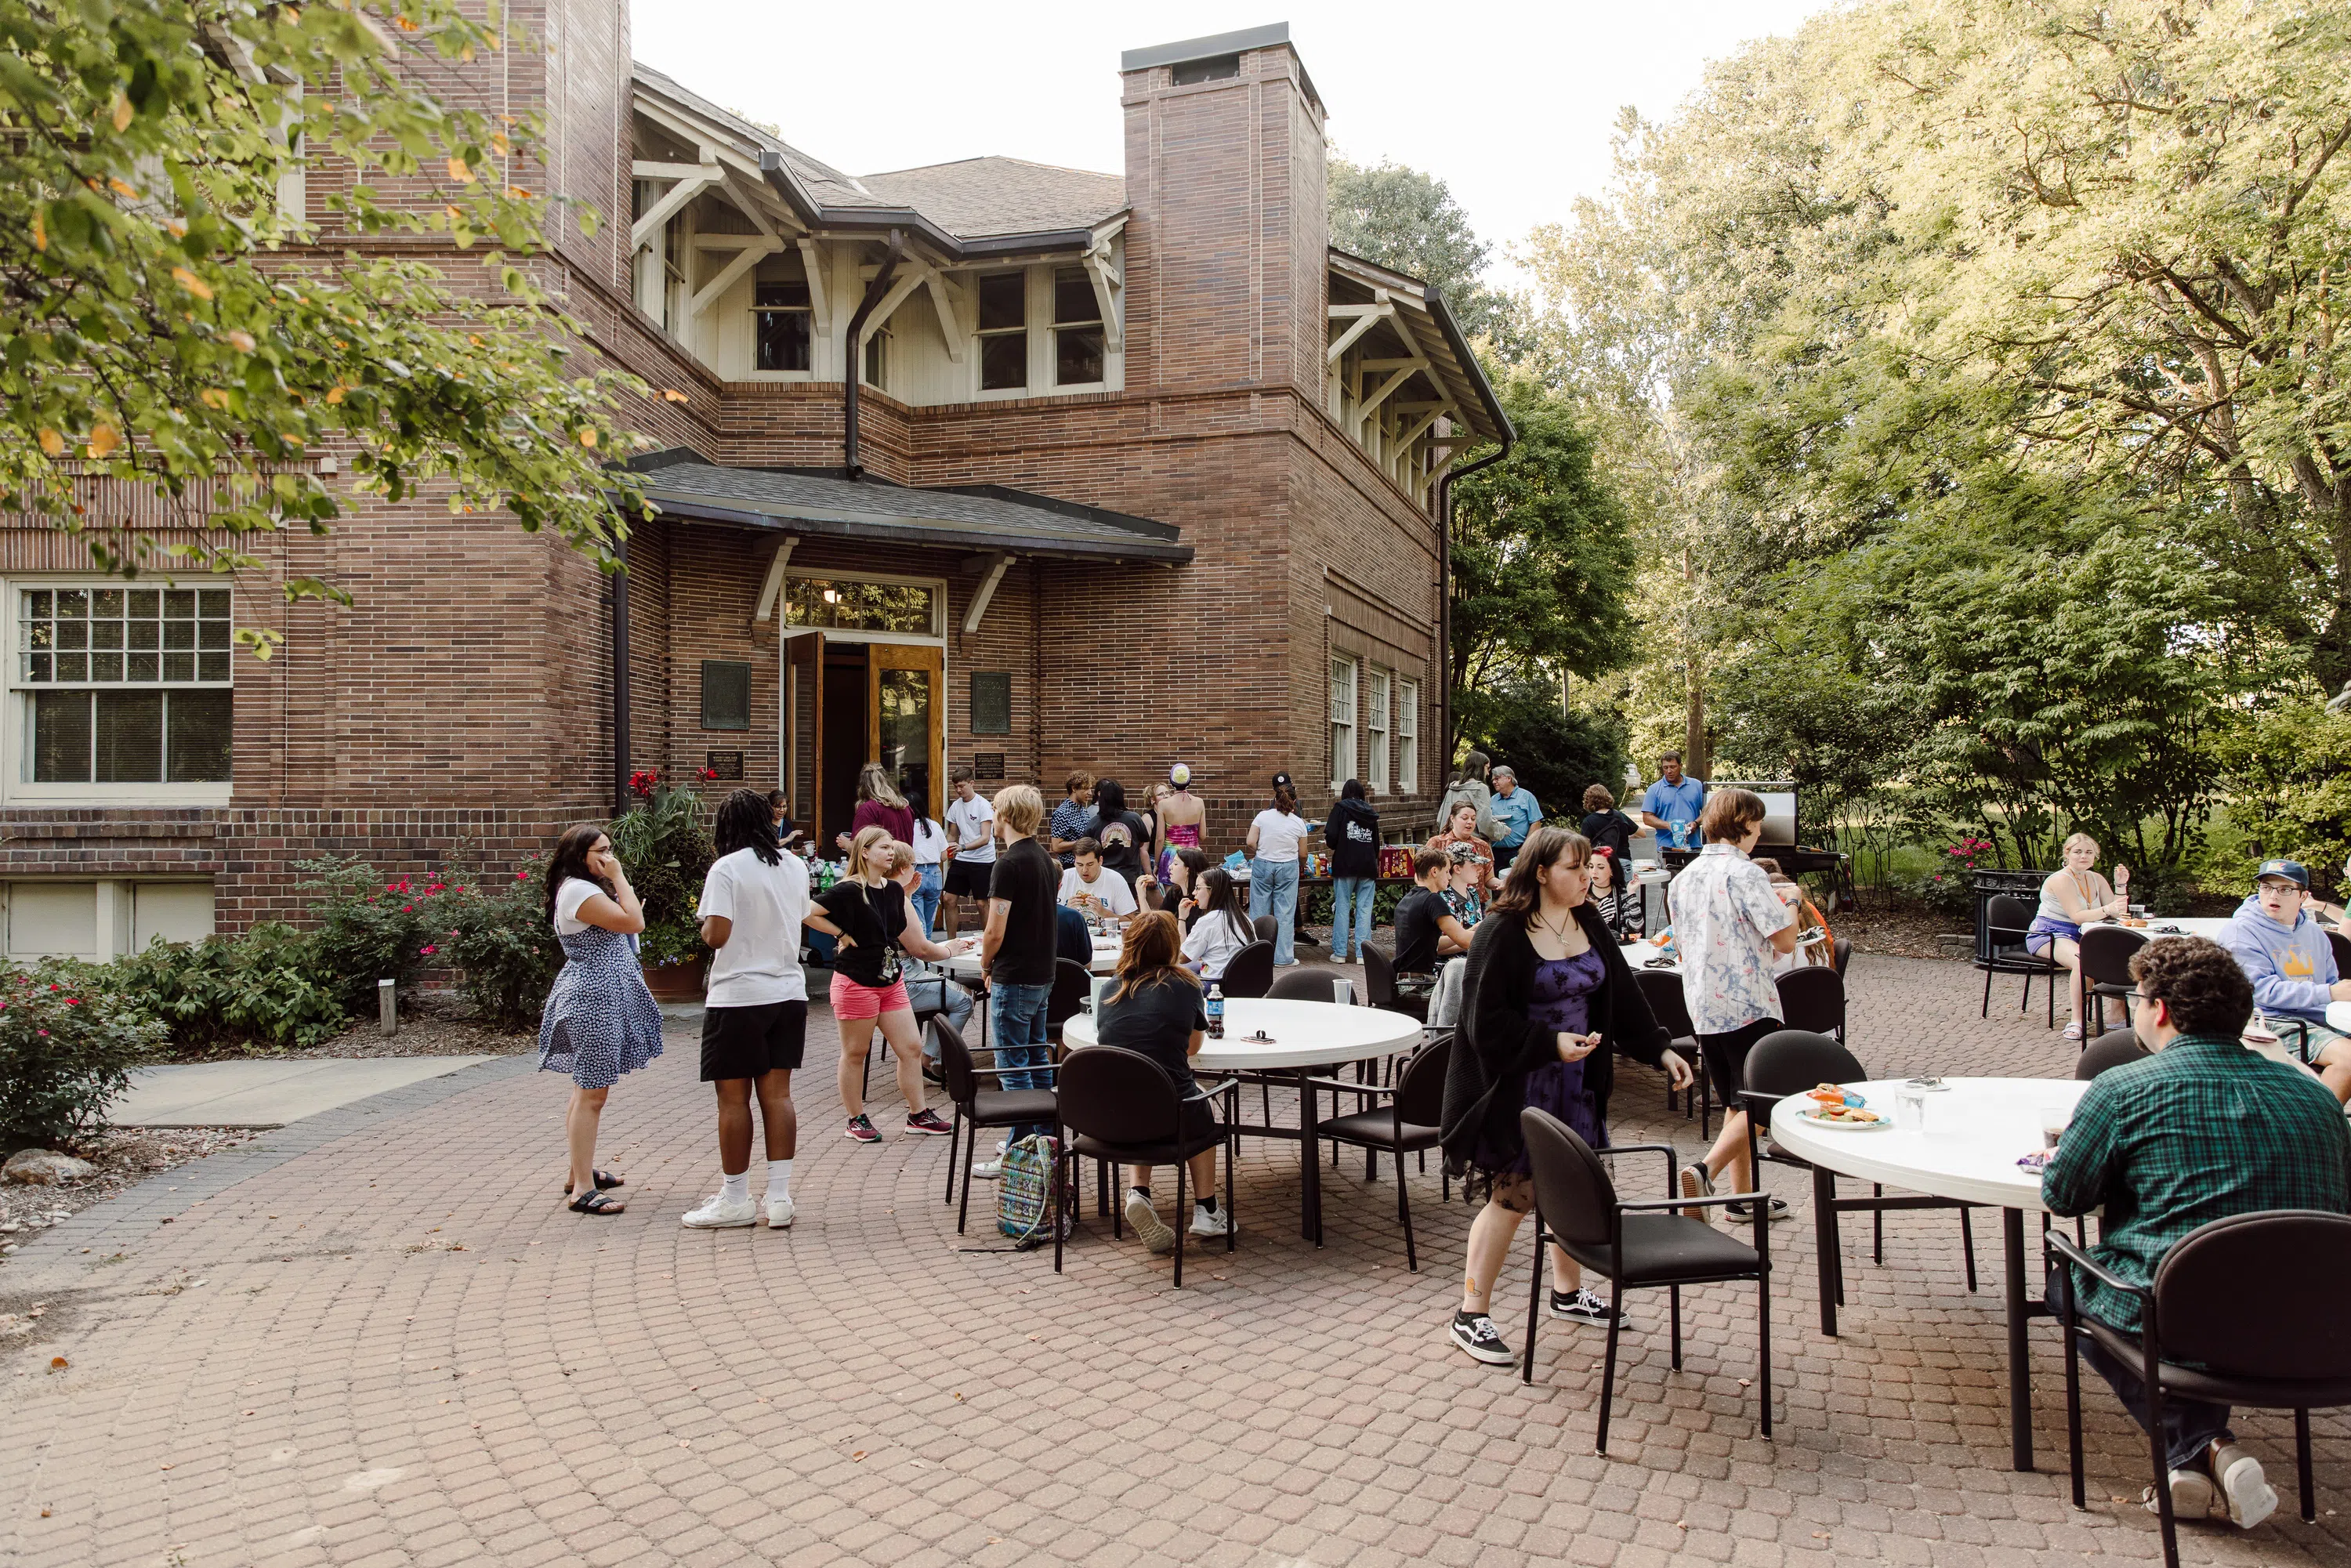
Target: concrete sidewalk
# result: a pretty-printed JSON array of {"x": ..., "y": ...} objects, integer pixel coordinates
[{"x": 268, "y": 1093}]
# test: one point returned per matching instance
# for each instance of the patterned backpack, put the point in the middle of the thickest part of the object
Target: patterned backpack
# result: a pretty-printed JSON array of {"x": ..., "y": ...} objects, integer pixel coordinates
[{"x": 1024, "y": 1198}]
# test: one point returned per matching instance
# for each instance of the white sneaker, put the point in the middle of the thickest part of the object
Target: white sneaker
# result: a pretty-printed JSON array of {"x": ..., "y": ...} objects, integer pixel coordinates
[
  {"x": 1153, "y": 1231},
  {"x": 779, "y": 1212},
  {"x": 1209, "y": 1222},
  {"x": 987, "y": 1170},
  {"x": 2191, "y": 1495},
  {"x": 2243, "y": 1487},
  {"x": 720, "y": 1214}
]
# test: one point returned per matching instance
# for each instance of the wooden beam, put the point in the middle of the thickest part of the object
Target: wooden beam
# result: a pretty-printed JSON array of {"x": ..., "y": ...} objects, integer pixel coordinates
[
  {"x": 773, "y": 588},
  {"x": 905, "y": 284},
  {"x": 1371, "y": 404},
  {"x": 672, "y": 201},
  {"x": 646, "y": 169},
  {"x": 1416, "y": 362},
  {"x": 1363, "y": 324},
  {"x": 1108, "y": 282},
  {"x": 980, "y": 601},
  {"x": 812, "y": 261},
  {"x": 950, "y": 320},
  {"x": 745, "y": 260},
  {"x": 1417, "y": 430}
]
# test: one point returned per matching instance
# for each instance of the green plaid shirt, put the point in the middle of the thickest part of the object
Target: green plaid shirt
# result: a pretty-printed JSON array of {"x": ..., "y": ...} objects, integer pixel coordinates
[{"x": 2200, "y": 1130}]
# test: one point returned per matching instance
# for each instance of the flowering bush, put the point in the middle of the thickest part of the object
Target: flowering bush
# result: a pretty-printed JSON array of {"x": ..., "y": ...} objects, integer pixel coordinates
[
  {"x": 498, "y": 937},
  {"x": 665, "y": 845},
  {"x": 1949, "y": 886},
  {"x": 66, "y": 1052},
  {"x": 369, "y": 928},
  {"x": 267, "y": 984}
]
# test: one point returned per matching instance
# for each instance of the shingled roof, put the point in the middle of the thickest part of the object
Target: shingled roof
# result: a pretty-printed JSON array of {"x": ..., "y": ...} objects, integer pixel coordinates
[{"x": 979, "y": 197}]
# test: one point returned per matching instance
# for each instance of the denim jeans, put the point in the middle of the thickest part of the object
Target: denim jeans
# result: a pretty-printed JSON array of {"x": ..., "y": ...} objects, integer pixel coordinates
[
  {"x": 925, "y": 898},
  {"x": 1273, "y": 890},
  {"x": 926, "y": 985},
  {"x": 2189, "y": 1426},
  {"x": 1017, "y": 1015},
  {"x": 1349, "y": 894}
]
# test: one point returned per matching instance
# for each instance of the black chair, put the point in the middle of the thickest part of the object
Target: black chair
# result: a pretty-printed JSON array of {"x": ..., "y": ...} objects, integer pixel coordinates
[
  {"x": 2341, "y": 944},
  {"x": 1380, "y": 986},
  {"x": 1408, "y": 1125},
  {"x": 2117, "y": 1047},
  {"x": 1250, "y": 971},
  {"x": 1842, "y": 949},
  {"x": 1790, "y": 1061},
  {"x": 2245, "y": 1310},
  {"x": 1119, "y": 1107},
  {"x": 1267, "y": 927},
  {"x": 1811, "y": 999},
  {"x": 2106, "y": 971},
  {"x": 1662, "y": 990},
  {"x": 1073, "y": 984},
  {"x": 1304, "y": 984},
  {"x": 1634, "y": 1246},
  {"x": 976, "y": 1107},
  {"x": 2006, "y": 920}
]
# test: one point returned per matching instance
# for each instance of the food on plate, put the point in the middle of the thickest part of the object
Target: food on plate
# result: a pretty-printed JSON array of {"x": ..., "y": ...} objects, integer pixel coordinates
[
  {"x": 2139, "y": 924},
  {"x": 1842, "y": 1112},
  {"x": 1830, "y": 1094}
]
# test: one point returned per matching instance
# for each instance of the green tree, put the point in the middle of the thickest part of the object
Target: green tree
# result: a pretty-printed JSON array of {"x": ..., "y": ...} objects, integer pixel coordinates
[
  {"x": 158, "y": 334},
  {"x": 1403, "y": 218},
  {"x": 1543, "y": 563}
]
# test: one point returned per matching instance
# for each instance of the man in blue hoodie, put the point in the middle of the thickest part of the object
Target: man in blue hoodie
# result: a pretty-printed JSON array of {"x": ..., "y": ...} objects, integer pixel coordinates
[{"x": 2277, "y": 941}]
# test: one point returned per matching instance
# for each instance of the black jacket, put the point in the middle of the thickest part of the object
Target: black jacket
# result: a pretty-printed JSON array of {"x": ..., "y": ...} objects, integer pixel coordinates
[
  {"x": 1352, "y": 833},
  {"x": 1498, "y": 1044}
]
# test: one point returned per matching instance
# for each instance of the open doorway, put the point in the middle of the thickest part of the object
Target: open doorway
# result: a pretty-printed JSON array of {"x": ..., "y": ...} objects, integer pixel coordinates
[{"x": 846, "y": 703}]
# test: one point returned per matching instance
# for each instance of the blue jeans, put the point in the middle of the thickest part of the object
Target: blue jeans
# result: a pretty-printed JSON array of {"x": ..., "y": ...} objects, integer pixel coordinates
[
  {"x": 1017, "y": 1014},
  {"x": 2189, "y": 1426},
  {"x": 925, "y": 898},
  {"x": 1349, "y": 894},
  {"x": 1273, "y": 890}
]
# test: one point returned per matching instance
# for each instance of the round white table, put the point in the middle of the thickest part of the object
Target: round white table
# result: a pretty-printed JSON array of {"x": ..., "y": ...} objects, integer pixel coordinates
[
  {"x": 1976, "y": 1130},
  {"x": 2205, "y": 925},
  {"x": 1299, "y": 1036},
  {"x": 966, "y": 965}
]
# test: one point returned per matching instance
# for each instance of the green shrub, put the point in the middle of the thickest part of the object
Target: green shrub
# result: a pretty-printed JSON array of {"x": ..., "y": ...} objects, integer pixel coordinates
[
  {"x": 267, "y": 984},
  {"x": 369, "y": 930},
  {"x": 66, "y": 1049},
  {"x": 498, "y": 939},
  {"x": 666, "y": 847}
]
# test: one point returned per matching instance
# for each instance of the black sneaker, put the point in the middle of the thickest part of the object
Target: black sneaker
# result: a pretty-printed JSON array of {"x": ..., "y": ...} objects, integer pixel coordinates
[
  {"x": 1776, "y": 1209},
  {"x": 861, "y": 1128},
  {"x": 1475, "y": 1333},
  {"x": 1581, "y": 1306}
]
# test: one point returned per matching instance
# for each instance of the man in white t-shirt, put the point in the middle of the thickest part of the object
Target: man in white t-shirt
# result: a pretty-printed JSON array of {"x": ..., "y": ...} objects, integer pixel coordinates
[
  {"x": 1092, "y": 888},
  {"x": 754, "y": 1013},
  {"x": 970, "y": 855}
]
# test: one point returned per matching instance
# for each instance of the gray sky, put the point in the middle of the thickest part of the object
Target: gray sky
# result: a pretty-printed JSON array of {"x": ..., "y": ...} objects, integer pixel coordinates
[{"x": 1511, "y": 104}]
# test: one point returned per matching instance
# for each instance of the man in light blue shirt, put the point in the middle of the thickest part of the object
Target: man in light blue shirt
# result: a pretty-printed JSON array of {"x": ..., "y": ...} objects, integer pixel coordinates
[
  {"x": 1516, "y": 812},
  {"x": 1671, "y": 805}
]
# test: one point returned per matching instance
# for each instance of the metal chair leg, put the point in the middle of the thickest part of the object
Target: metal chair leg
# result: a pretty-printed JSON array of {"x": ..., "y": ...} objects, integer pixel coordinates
[
  {"x": 955, "y": 1139},
  {"x": 1535, "y": 1304},
  {"x": 1182, "y": 1170},
  {"x": 1968, "y": 1243},
  {"x": 2301, "y": 1465},
  {"x": 1403, "y": 1214},
  {"x": 1878, "y": 1223},
  {"x": 1608, "y": 1371},
  {"x": 1675, "y": 1293}
]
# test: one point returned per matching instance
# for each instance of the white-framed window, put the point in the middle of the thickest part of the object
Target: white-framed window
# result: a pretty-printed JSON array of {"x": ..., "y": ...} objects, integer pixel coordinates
[
  {"x": 865, "y": 607},
  {"x": 1407, "y": 737},
  {"x": 783, "y": 325},
  {"x": 1375, "y": 730},
  {"x": 1004, "y": 331},
  {"x": 1080, "y": 347},
  {"x": 877, "y": 359},
  {"x": 121, "y": 692},
  {"x": 1343, "y": 719}
]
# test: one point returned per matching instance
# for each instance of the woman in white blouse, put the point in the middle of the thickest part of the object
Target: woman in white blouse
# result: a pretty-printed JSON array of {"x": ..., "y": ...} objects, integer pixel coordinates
[{"x": 1223, "y": 928}]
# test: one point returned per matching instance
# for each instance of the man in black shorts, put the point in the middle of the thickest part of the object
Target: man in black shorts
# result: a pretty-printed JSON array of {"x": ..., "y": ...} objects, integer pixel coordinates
[
  {"x": 970, "y": 851},
  {"x": 755, "y": 1014}
]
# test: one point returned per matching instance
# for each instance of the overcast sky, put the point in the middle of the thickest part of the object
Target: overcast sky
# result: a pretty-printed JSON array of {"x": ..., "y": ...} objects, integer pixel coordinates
[{"x": 1510, "y": 103}]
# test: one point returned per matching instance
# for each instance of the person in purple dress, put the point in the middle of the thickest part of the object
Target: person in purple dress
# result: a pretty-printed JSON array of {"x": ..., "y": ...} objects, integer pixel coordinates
[{"x": 1547, "y": 1003}]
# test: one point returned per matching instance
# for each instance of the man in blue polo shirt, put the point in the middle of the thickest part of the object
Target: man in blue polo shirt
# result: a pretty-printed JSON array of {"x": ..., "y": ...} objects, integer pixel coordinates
[
  {"x": 1516, "y": 812},
  {"x": 1671, "y": 805}
]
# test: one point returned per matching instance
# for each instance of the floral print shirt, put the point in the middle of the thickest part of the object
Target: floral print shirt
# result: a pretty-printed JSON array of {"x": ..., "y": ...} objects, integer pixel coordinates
[{"x": 1725, "y": 911}]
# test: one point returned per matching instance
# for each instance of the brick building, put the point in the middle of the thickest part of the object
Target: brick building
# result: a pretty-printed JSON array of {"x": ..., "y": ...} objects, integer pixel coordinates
[{"x": 1135, "y": 468}]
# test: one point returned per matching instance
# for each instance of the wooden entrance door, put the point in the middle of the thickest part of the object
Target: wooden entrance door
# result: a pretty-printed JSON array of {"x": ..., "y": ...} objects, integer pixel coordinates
[
  {"x": 907, "y": 718},
  {"x": 803, "y": 727}
]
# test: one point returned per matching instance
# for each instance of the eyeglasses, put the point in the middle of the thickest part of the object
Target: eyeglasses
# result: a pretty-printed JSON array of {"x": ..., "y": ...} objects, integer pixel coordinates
[{"x": 2138, "y": 997}]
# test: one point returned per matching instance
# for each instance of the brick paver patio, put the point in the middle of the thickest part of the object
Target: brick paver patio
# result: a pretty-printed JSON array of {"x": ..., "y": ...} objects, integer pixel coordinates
[{"x": 374, "y": 1338}]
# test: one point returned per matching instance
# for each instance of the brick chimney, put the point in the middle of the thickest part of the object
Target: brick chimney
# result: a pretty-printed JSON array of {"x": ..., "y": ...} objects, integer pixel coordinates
[{"x": 1225, "y": 174}]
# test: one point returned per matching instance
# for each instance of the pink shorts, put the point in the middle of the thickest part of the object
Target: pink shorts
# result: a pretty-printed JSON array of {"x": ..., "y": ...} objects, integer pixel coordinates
[{"x": 851, "y": 1000}]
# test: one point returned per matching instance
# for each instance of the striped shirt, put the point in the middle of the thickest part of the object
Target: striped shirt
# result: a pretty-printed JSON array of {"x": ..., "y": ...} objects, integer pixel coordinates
[{"x": 2202, "y": 1129}]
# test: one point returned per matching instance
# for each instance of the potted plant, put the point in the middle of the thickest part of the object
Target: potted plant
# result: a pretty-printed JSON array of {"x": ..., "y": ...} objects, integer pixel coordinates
[{"x": 665, "y": 844}]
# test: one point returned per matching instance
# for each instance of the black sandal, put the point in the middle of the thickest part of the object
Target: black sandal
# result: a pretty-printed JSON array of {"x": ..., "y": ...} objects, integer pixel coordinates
[
  {"x": 595, "y": 1203},
  {"x": 603, "y": 1179}
]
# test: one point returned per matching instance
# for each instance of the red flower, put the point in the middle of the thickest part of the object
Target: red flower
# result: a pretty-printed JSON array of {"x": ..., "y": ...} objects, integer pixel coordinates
[
  {"x": 520, "y": 874},
  {"x": 408, "y": 909},
  {"x": 41, "y": 1032},
  {"x": 53, "y": 988},
  {"x": 73, "y": 1001},
  {"x": 428, "y": 950}
]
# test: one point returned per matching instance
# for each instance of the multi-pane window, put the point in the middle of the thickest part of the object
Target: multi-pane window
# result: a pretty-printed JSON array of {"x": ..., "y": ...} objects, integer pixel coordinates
[
  {"x": 849, "y": 605},
  {"x": 1078, "y": 342},
  {"x": 124, "y": 685},
  {"x": 1343, "y": 720},
  {"x": 877, "y": 359},
  {"x": 1004, "y": 331},
  {"x": 1407, "y": 737},
  {"x": 1376, "y": 729},
  {"x": 784, "y": 317}
]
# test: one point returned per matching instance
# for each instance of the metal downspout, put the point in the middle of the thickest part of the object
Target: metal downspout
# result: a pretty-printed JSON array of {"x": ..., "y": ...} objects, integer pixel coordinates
[
  {"x": 853, "y": 372},
  {"x": 621, "y": 681}
]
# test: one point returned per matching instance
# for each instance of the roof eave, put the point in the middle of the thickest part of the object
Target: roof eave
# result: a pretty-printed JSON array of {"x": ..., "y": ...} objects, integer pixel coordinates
[
  {"x": 913, "y": 531},
  {"x": 1412, "y": 290}
]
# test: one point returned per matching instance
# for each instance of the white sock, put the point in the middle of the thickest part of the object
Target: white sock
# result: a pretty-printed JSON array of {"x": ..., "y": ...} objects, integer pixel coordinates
[
  {"x": 779, "y": 1179},
  {"x": 735, "y": 1188}
]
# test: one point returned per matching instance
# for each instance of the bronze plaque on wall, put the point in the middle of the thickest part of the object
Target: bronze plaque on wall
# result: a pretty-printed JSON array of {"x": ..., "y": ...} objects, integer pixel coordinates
[
  {"x": 987, "y": 765},
  {"x": 724, "y": 764}
]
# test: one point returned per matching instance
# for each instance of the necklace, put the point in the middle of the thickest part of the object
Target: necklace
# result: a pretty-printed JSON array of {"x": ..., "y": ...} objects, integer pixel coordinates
[{"x": 1559, "y": 932}]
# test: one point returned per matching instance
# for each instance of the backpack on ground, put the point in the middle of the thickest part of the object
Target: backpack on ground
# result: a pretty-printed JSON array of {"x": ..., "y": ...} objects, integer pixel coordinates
[{"x": 1024, "y": 1197}]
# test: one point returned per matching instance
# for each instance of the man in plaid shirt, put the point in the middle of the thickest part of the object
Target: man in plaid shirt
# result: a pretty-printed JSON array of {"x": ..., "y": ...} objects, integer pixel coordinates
[
  {"x": 2201, "y": 1130},
  {"x": 1073, "y": 819}
]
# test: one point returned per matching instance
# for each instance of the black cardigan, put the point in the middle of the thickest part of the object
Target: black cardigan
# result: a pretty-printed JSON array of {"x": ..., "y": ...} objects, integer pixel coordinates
[{"x": 1498, "y": 1044}]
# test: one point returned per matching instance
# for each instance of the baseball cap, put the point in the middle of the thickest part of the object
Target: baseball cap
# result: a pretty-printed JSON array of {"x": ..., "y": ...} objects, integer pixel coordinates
[
  {"x": 1281, "y": 780},
  {"x": 1180, "y": 774},
  {"x": 1464, "y": 852},
  {"x": 2293, "y": 872}
]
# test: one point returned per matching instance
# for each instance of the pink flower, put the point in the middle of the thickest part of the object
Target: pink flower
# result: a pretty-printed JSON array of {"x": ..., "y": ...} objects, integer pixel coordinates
[
  {"x": 41, "y": 1032},
  {"x": 428, "y": 950},
  {"x": 73, "y": 1001},
  {"x": 520, "y": 874},
  {"x": 408, "y": 909}
]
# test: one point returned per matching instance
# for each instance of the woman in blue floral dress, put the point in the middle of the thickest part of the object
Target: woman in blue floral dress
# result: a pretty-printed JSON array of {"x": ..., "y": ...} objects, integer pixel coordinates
[{"x": 600, "y": 1021}]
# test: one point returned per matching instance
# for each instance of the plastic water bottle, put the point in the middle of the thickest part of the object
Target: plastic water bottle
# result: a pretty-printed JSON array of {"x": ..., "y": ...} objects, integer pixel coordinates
[{"x": 1215, "y": 1006}]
